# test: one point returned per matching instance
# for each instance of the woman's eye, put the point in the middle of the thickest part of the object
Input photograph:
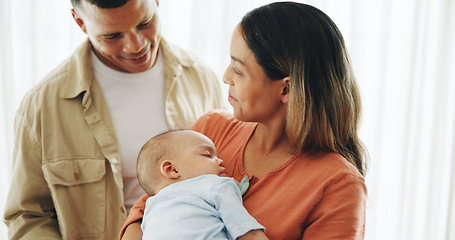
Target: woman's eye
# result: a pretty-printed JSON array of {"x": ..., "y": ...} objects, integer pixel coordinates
[{"x": 236, "y": 71}]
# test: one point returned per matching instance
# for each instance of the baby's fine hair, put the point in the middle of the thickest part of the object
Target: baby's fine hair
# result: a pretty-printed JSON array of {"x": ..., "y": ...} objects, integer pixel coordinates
[{"x": 149, "y": 159}]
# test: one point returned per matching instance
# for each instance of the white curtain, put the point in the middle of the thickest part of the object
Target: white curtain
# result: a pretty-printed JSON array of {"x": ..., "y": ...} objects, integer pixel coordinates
[{"x": 403, "y": 53}]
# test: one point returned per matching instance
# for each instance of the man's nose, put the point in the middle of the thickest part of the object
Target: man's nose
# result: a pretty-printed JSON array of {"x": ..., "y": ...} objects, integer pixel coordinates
[{"x": 134, "y": 43}]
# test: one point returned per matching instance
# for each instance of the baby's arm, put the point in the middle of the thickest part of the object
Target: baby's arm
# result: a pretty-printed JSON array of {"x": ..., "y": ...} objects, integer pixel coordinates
[
  {"x": 238, "y": 222},
  {"x": 254, "y": 235}
]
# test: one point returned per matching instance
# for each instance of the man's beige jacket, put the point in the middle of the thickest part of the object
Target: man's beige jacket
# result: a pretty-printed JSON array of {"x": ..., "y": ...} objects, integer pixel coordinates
[{"x": 67, "y": 176}]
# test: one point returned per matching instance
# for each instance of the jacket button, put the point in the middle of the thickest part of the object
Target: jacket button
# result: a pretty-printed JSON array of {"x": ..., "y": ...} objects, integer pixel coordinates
[{"x": 76, "y": 175}]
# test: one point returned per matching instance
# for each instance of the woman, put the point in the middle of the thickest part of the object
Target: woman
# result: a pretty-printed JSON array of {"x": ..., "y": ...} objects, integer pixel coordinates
[{"x": 294, "y": 131}]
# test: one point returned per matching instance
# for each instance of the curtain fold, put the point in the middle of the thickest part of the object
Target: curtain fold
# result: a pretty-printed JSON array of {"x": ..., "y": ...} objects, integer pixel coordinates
[{"x": 403, "y": 54}]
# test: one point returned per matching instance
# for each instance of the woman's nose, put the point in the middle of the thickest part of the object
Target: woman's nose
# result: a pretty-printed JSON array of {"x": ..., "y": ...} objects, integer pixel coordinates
[{"x": 226, "y": 77}]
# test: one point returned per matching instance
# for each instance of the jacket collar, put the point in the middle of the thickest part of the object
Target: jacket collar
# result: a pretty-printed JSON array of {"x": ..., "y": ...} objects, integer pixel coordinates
[
  {"x": 175, "y": 56},
  {"x": 79, "y": 73}
]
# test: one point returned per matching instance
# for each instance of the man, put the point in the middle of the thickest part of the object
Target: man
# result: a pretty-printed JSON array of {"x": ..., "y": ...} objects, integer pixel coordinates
[{"x": 78, "y": 132}]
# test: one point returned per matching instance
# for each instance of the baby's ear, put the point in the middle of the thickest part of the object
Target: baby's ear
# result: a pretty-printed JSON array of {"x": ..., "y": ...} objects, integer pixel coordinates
[{"x": 168, "y": 169}]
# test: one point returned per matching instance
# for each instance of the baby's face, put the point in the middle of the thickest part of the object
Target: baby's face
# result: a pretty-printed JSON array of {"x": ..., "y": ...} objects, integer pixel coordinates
[{"x": 197, "y": 155}]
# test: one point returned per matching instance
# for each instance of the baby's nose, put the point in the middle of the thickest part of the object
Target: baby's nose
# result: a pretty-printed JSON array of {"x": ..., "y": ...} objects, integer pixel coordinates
[{"x": 220, "y": 162}]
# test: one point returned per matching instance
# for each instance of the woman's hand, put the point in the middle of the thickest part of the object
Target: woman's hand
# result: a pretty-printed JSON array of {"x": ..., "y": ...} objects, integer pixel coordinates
[
  {"x": 254, "y": 235},
  {"x": 133, "y": 231}
]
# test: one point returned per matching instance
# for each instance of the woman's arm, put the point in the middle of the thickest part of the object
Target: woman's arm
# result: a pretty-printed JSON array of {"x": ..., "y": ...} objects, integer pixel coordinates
[
  {"x": 253, "y": 235},
  {"x": 340, "y": 214},
  {"x": 131, "y": 230}
]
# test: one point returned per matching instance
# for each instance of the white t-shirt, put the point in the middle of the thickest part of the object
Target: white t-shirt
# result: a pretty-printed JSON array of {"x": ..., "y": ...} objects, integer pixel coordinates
[{"x": 136, "y": 105}]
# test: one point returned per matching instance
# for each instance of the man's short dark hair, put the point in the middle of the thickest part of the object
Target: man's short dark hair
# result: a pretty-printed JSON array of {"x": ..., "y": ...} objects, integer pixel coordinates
[{"x": 101, "y": 3}]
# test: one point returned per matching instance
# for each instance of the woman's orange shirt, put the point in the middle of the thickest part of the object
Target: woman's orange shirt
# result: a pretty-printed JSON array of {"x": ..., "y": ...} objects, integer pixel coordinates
[{"x": 318, "y": 196}]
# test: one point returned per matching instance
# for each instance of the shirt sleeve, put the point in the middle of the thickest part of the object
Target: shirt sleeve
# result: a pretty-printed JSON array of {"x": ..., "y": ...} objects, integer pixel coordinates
[
  {"x": 340, "y": 214},
  {"x": 228, "y": 202},
  {"x": 29, "y": 213}
]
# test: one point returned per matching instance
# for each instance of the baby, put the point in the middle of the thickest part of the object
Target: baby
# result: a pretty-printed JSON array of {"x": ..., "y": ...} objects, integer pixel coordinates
[{"x": 191, "y": 196}]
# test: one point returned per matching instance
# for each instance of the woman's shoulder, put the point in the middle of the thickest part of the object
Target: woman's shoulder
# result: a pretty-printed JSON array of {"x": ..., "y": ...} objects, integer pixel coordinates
[
  {"x": 222, "y": 127},
  {"x": 218, "y": 114},
  {"x": 219, "y": 121}
]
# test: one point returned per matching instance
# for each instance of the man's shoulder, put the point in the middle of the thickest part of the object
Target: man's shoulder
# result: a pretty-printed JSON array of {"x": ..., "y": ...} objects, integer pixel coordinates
[
  {"x": 54, "y": 79},
  {"x": 52, "y": 86},
  {"x": 184, "y": 57},
  {"x": 77, "y": 61},
  {"x": 49, "y": 85}
]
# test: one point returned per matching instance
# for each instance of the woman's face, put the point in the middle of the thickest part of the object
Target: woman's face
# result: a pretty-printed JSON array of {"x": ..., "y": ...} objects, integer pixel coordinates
[{"x": 254, "y": 97}]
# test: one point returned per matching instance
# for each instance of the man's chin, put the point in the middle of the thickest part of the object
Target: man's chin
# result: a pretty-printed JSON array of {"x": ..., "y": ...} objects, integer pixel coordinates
[{"x": 136, "y": 68}]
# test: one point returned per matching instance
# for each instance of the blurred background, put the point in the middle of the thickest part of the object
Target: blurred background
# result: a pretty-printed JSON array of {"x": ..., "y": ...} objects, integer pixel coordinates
[{"x": 403, "y": 54}]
